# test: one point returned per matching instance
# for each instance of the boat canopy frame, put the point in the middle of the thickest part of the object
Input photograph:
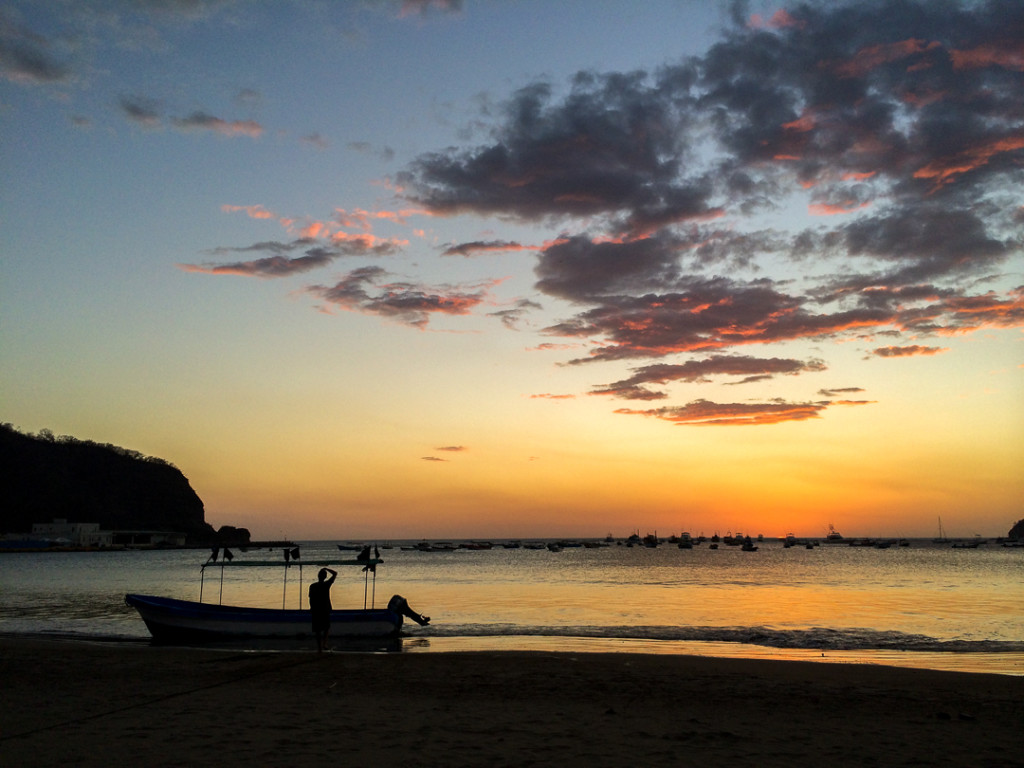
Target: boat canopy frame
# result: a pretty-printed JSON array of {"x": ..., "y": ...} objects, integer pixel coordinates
[{"x": 369, "y": 565}]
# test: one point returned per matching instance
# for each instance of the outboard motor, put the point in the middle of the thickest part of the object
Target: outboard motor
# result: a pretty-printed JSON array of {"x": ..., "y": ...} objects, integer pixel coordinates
[{"x": 399, "y": 604}]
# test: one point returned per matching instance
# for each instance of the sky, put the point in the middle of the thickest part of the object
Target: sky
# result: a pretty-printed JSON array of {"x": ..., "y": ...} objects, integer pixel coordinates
[{"x": 513, "y": 268}]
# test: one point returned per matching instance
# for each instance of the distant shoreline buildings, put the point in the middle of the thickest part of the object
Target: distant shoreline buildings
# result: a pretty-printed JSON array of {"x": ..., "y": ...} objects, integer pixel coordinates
[{"x": 60, "y": 534}]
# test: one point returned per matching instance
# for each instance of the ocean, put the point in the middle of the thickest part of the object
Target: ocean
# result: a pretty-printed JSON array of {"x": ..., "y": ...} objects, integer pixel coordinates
[{"x": 925, "y": 605}]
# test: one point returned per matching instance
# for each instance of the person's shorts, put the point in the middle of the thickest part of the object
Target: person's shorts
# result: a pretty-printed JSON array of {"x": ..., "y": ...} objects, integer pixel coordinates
[{"x": 321, "y": 623}]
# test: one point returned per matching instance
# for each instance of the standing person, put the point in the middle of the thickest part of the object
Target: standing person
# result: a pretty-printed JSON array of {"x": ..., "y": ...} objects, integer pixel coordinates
[{"x": 320, "y": 606}]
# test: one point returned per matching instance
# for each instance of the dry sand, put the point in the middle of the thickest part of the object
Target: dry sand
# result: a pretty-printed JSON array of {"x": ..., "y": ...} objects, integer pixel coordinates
[{"x": 74, "y": 703}]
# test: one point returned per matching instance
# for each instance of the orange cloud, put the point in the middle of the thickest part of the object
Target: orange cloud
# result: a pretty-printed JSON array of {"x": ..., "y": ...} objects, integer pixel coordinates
[
  {"x": 988, "y": 310},
  {"x": 361, "y": 218},
  {"x": 778, "y": 20},
  {"x": 1002, "y": 54},
  {"x": 367, "y": 241},
  {"x": 867, "y": 59},
  {"x": 944, "y": 170},
  {"x": 802, "y": 124},
  {"x": 252, "y": 211},
  {"x": 826, "y": 209},
  {"x": 313, "y": 230}
]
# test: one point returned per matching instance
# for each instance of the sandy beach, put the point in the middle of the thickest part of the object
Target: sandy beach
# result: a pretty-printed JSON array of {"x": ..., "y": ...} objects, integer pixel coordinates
[{"x": 87, "y": 704}]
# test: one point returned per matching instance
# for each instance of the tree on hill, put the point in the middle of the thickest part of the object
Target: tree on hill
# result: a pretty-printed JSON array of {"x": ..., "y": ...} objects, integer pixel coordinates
[{"x": 47, "y": 477}]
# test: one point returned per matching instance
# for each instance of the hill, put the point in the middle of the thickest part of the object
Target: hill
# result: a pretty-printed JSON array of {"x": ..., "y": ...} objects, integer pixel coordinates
[{"x": 47, "y": 477}]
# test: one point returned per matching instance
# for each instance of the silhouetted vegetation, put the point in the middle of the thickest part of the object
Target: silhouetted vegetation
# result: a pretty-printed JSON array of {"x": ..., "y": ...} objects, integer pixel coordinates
[
  {"x": 47, "y": 477},
  {"x": 1017, "y": 532}
]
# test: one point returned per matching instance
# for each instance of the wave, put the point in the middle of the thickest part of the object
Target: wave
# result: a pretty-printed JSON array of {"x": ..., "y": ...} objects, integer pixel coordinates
[{"x": 847, "y": 639}]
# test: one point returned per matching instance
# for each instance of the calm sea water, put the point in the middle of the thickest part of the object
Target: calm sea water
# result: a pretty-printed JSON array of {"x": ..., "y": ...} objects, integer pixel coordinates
[{"x": 925, "y": 605}]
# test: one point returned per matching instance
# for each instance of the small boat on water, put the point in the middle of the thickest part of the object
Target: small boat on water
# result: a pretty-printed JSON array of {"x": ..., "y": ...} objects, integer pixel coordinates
[
  {"x": 170, "y": 620},
  {"x": 833, "y": 536},
  {"x": 968, "y": 544}
]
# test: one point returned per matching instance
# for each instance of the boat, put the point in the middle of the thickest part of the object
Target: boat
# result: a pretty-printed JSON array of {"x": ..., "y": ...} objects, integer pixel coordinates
[
  {"x": 425, "y": 546},
  {"x": 973, "y": 544},
  {"x": 833, "y": 536},
  {"x": 175, "y": 621},
  {"x": 171, "y": 620},
  {"x": 476, "y": 545},
  {"x": 941, "y": 538}
]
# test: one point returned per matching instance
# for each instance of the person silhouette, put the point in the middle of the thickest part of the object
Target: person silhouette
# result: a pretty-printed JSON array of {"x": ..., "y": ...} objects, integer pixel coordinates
[{"x": 320, "y": 606}]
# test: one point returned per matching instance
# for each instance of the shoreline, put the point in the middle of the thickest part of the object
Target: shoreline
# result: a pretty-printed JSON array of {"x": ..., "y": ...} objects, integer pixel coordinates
[
  {"x": 985, "y": 663},
  {"x": 94, "y": 704}
]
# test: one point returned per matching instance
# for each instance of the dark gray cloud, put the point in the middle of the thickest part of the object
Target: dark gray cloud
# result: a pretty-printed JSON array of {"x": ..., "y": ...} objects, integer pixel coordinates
[
  {"x": 481, "y": 246},
  {"x": 141, "y": 109},
  {"x": 29, "y": 58},
  {"x": 749, "y": 368},
  {"x": 911, "y": 350},
  {"x": 839, "y": 391},
  {"x": 708, "y": 413},
  {"x": 148, "y": 112},
  {"x": 512, "y": 318},
  {"x": 614, "y": 145},
  {"x": 423, "y": 7},
  {"x": 367, "y": 290},
  {"x": 280, "y": 264}
]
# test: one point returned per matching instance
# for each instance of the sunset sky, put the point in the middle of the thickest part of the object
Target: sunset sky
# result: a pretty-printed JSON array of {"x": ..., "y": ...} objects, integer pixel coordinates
[{"x": 517, "y": 268}]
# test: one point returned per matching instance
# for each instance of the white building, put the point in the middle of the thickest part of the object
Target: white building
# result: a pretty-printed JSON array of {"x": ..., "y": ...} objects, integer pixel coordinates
[{"x": 76, "y": 534}]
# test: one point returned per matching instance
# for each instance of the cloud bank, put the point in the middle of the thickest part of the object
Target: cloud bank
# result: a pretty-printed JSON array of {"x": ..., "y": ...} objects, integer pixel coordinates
[
  {"x": 900, "y": 125},
  {"x": 839, "y": 171}
]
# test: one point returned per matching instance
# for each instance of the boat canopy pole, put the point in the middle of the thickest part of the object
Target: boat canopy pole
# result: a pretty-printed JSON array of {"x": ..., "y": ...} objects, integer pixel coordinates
[
  {"x": 278, "y": 563},
  {"x": 368, "y": 566}
]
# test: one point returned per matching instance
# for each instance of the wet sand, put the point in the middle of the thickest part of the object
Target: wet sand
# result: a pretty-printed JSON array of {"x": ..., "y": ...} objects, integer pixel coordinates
[{"x": 96, "y": 704}]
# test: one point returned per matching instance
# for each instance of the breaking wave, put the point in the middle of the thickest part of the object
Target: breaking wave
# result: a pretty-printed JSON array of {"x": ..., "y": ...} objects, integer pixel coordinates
[{"x": 850, "y": 639}]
